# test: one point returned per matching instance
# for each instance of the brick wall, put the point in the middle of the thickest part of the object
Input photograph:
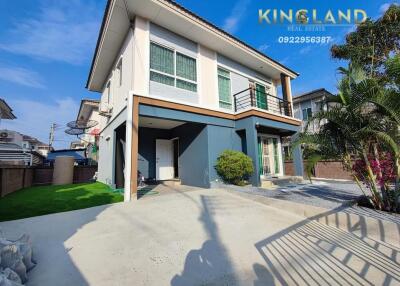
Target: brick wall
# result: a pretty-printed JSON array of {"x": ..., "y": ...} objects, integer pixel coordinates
[
  {"x": 14, "y": 178},
  {"x": 323, "y": 169},
  {"x": 331, "y": 170}
]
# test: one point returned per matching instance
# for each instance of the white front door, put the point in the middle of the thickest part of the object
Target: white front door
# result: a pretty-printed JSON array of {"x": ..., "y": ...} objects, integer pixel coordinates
[{"x": 164, "y": 159}]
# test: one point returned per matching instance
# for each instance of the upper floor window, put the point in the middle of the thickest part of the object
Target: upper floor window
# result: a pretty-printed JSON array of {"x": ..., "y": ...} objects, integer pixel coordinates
[
  {"x": 119, "y": 72},
  {"x": 224, "y": 89},
  {"x": 307, "y": 113},
  {"x": 172, "y": 68}
]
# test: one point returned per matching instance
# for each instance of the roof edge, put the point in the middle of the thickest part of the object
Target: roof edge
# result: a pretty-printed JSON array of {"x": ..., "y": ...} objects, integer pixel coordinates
[{"x": 232, "y": 37}]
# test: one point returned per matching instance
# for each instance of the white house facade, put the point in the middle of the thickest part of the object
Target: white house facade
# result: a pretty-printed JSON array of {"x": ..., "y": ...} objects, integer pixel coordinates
[{"x": 176, "y": 91}]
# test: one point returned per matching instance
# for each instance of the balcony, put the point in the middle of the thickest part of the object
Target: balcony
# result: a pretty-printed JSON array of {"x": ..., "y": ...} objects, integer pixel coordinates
[{"x": 251, "y": 98}]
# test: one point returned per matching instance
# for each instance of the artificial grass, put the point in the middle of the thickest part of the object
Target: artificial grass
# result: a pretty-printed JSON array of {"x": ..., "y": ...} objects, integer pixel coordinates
[{"x": 43, "y": 200}]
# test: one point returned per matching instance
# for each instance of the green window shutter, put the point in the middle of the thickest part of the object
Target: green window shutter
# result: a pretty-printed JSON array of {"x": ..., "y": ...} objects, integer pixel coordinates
[
  {"x": 161, "y": 59},
  {"x": 261, "y": 96},
  {"x": 186, "y": 85},
  {"x": 224, "y": 89},
  {"x": 186, "y": 67},
  {"x": 164, "y": 79},
  {"x": 223, "y": 72}
]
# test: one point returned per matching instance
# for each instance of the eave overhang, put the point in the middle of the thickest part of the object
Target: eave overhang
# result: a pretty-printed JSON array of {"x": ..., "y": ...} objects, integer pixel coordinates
[{"x": 119, "y": 14}]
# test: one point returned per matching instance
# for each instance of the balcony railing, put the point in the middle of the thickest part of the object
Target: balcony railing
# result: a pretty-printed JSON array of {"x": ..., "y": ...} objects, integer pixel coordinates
[{"x": 250, "y": 98}]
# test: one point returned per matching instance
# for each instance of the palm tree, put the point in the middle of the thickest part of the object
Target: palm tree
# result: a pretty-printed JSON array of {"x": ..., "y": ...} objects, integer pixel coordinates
[{"x": 363, "y": 118}]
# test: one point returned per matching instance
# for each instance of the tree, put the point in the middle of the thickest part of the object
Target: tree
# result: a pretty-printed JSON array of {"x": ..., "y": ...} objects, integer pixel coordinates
[
  {"x": 372, "y": 44},
  {"x": 363, "y": 124}
]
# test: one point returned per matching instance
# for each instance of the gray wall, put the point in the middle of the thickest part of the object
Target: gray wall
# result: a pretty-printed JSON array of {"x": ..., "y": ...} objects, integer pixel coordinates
[
  {"x": 107, "y": 149},
  {"x": 219, "y": 139},
  {"x": 193, "y": 159},
  {"x": 245, "y": 70}
]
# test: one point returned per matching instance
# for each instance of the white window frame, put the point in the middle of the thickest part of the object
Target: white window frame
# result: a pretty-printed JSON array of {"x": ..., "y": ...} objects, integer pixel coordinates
[
  {"x": 174, "y": 76},
  {"x": 230, "y": 85}
]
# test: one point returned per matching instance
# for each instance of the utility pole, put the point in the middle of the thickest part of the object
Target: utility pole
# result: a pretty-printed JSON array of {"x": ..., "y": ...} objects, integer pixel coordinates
[{"x": 51, "y": 136}]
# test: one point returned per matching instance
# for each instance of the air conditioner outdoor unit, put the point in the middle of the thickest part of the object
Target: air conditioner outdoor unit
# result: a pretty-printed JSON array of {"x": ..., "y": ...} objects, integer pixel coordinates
[
  {"x": 105, "y": 109},
  {"x": 6, "y": 135}
]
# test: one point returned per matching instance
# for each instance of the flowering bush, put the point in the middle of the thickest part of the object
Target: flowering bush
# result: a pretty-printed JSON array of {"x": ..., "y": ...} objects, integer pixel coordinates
[
  {"x": 384, "y": 176},
  {"x": 383, "y": 169}
]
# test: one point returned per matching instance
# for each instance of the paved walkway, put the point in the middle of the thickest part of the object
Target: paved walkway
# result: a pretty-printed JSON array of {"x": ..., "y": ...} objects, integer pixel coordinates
[
  {"x": 201, "y": 237},
  {"x": 325, "y": 194}
]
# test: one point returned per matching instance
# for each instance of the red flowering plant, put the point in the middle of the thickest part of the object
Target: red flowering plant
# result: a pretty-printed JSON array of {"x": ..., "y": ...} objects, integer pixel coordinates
[{"x": 383, "y": 169}]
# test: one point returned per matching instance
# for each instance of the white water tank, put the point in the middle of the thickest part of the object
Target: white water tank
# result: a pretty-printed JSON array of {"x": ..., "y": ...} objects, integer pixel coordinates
[{"x": 63, "y": 170}]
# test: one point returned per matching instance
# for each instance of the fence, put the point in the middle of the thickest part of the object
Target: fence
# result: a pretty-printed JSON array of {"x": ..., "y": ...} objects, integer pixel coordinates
[
  {"x": 14, "y": 178},
  {"x": 323, "y": 169}
]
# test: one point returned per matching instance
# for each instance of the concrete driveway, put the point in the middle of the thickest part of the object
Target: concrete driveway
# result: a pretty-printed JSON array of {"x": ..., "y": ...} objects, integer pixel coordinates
[{"x": 201, "y": 237}]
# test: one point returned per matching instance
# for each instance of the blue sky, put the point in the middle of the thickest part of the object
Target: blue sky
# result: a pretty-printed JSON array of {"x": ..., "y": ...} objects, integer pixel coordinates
[{"x": 46, "y": 47}]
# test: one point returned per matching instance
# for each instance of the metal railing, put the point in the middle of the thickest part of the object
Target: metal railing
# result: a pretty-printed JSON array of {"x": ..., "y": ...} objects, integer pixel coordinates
[{"x": 249, "y": 98}]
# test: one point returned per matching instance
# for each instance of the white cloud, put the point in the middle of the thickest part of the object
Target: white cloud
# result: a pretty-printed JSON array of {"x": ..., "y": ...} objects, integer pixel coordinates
[
  {"x": 305, "y": 50},
  {"x": 21, "y": 76},
  {"x": 263, "y": 47},
  {"x": 284, "y": 61},
  {"x": 231, "y": 24},
  {"x": 63, "y": 31},
  {"x": 383, "y": 8},
  {"x": 35, "y": 117}
]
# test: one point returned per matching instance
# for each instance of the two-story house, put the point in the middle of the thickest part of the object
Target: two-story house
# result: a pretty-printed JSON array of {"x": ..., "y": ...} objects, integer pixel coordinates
[
  {"x": 307, "y": 104},
  {"x": 176, "y": 91}
]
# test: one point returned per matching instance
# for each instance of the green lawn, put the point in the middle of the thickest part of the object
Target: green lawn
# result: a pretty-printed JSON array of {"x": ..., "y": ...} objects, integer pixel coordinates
[{"x": 43, "y": 200}]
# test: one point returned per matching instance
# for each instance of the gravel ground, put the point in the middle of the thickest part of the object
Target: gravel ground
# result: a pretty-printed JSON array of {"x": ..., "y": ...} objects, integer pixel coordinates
[{"x": 326, "y": 194}]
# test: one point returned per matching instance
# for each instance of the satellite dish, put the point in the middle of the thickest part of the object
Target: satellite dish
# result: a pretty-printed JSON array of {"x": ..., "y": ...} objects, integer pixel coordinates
[
  {"x": 75, "y": 131},
  {"x": 81, "y": 124}
]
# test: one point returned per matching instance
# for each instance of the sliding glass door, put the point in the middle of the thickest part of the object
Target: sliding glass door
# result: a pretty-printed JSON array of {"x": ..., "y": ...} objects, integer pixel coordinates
[{"x": 269, "y": 156}]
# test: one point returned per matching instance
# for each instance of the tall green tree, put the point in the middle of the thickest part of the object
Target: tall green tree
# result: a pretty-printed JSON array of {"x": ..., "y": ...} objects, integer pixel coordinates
[{"x": 372, "y": 44}]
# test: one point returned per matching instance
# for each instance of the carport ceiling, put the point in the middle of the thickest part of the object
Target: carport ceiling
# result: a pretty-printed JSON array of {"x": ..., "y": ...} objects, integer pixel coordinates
[{"x": 151, "y": 122}]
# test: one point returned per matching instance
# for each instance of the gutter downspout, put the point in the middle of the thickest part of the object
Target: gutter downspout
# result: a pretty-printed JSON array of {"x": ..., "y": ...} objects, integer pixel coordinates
[{"x": 128, "y": 149}]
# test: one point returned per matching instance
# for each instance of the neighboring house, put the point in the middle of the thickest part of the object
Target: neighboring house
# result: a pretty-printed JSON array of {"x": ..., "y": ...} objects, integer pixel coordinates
[
  {"x": 89, "y": 111},
  {"x": 78, "y": 154},
  {"x": 14, "y": 154},
  {"x": 177, "y": 91},
  {"x": 26, "y": 142},
  {"x": 5, "y": 111},
  {"x": 308, "y": 104}
]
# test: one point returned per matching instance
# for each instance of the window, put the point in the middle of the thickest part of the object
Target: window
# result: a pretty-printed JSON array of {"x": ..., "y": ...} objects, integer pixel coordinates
[
  {"x": 119, "y": 72},
  {"x": 172, "y": 68},
  {"x": 307, "y": 113},
  {"x": 108, "y": 91},
  {"x": 224, "y": 89}
]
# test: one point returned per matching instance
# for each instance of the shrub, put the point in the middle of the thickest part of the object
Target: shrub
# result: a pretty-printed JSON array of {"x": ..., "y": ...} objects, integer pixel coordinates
[{"x": 234, "y": 167}]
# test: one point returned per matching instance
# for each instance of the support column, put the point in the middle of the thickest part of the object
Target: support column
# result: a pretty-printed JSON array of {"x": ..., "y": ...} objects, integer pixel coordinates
[
  {"x": 252, "y": 151},
  {"x": 134, "y": 147},
  {"x": 298, "y": 161},
  {"x": 287, "y": 91}
]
